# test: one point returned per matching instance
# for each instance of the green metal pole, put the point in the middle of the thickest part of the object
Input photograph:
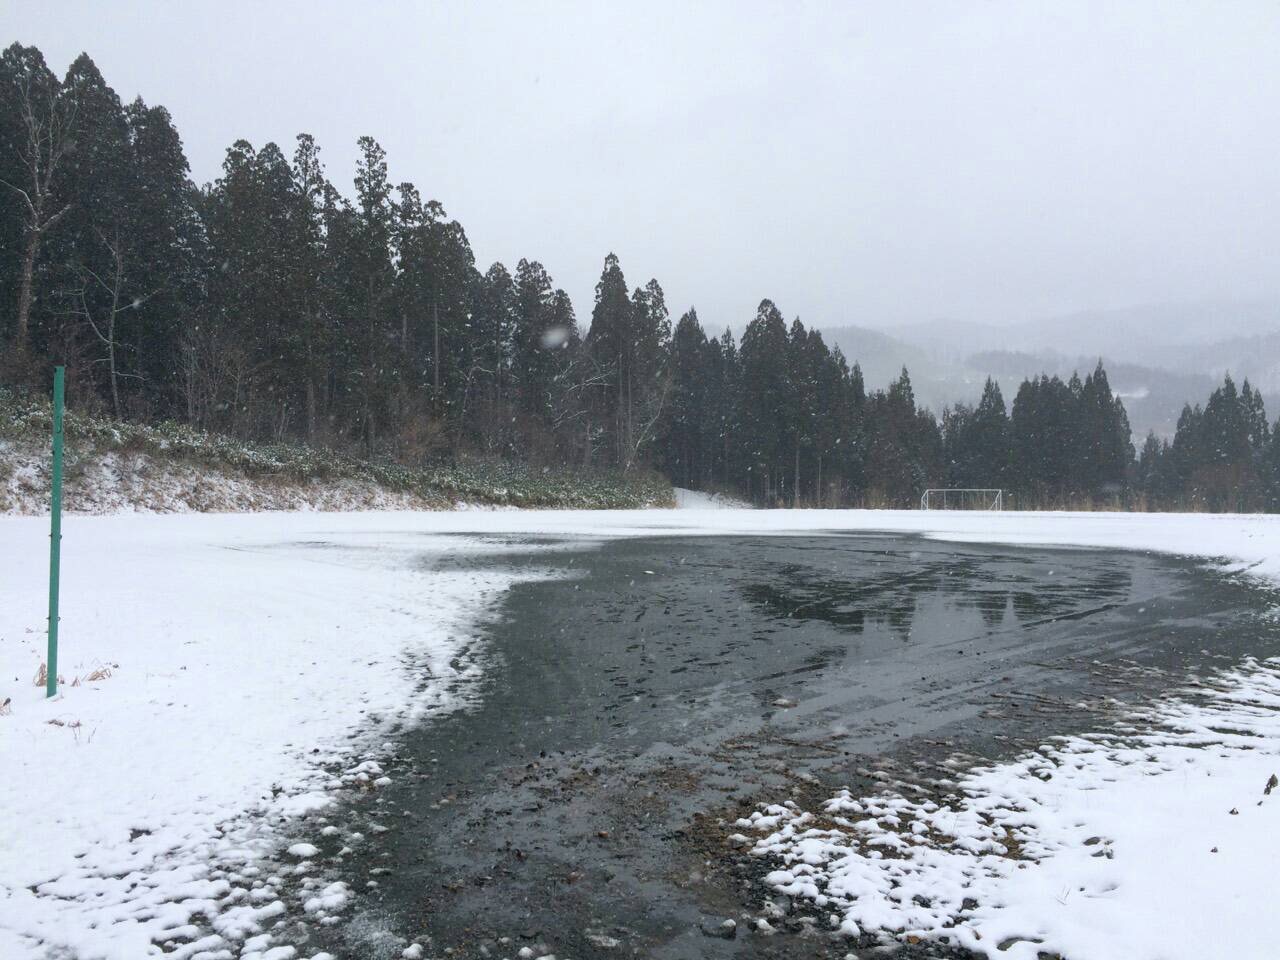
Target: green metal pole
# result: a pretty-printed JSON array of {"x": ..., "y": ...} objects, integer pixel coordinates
[{"x": 55, "y": 531}]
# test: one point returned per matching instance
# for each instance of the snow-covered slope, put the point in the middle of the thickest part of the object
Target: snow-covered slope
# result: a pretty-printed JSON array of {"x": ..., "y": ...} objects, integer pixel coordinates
[
  {"x": 130, "y": 481},
  {"x": 213, "y": 474}
]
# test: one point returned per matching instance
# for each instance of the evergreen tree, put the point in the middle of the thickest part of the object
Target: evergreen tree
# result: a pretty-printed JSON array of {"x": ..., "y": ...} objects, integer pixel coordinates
[
  {"x": 610, "y": 342},
  {"x": 1271, "y": 471},
  {"x": 166, "y": 256},
  {"x": 492, "y": 330},
  {"x": 311, "y": 287},
  {"x": 535, "y": 339},
  {"x": 803, "y": 364},
  {"x": 648, "y": 372},
  {"x": 1104, "y": 446},
  {"x": 764, "y": 392},
  {"x": 977, "y": 442},
  {"x": 1046, "y": 440},
  {"x": 1254, "y": 413},
  {"x": 1225, "y": 474},
  {"x": 831, "y": 413},
  {"x": 905, "y": 447},
  {"x": 572, "y": 382},
  {"x": 1152, "y": 473},
  {"x": 687, "y": 448},
  {"x": 242, "y": 382},
  {"x": 725, "y": 405}
]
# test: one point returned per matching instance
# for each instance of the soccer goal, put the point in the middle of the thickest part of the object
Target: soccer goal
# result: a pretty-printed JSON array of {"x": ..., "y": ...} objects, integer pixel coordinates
[{"x": 956, "y": 498}]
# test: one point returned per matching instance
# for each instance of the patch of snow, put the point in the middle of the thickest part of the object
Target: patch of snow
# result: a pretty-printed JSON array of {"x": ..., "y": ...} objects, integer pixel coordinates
[
  {"x": 698, "y": 500},
  {"x": 244, "y": 657},
  {"x": 1150, "y": 842}
]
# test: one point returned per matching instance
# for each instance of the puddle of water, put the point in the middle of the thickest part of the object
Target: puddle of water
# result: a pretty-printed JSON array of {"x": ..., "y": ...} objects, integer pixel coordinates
[{"x": 669, "y": 677}]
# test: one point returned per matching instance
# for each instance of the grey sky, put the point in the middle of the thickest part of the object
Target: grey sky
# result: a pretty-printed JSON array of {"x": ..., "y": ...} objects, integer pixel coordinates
[{"x": 858, "y": 163}]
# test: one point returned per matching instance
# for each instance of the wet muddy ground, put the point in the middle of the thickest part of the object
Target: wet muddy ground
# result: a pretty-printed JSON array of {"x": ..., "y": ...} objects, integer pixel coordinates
[{"x": 632, "y": 709}]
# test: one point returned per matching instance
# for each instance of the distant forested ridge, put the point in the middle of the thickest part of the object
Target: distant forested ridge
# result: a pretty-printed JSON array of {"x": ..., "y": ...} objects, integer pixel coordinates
[{"x": 269, "y": 305}]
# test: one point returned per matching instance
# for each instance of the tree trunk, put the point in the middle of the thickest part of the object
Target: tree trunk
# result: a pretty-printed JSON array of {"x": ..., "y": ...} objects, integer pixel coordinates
[
  {"x": 795, "y": 493},
  {"x": 311, "y": 408},
  {"x": 190, "y": 361},
  {"x": 22, "y": 331},
  {"x": 111, "y": 363},
  {"x": 435, "y": 353},
  {"x": 630, "y": 427},
  {"x": 111, "y": 328}
]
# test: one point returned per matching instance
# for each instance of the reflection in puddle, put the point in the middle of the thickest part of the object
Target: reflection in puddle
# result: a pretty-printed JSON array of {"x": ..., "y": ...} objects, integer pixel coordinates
[{"x": 952, "y": 587}]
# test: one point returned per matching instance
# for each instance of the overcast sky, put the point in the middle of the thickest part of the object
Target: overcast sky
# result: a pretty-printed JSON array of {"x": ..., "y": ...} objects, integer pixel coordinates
[{"x": 858, "y": 162}]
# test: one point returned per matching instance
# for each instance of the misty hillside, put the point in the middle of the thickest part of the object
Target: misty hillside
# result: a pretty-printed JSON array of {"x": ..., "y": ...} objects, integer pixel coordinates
[
  {"x": 1141, "y": 333},
  {"x": 1157, "y": 357}
]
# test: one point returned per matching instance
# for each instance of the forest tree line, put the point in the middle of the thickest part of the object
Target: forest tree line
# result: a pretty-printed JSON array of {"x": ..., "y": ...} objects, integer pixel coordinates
[{"x": 269, "y": 305}]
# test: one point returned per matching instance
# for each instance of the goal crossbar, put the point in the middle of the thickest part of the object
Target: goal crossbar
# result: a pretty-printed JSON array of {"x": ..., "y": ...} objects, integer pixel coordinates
[{"x": 980, "y": 498}]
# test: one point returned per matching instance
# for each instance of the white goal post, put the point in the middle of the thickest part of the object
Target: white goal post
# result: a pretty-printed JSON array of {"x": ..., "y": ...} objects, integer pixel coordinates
[{"x": 962, "y": 498}]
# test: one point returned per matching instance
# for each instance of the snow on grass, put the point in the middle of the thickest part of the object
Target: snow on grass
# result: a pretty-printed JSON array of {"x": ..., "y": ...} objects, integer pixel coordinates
[
  {"x": 699, "y": 500},
  {"x": 1153, "y": 841},
  {"x": 234, "y": 658},
  {"x": 236, "y": 672},
  {"x": 128, "y": 480},
  {"x": 223, "y": 477}
]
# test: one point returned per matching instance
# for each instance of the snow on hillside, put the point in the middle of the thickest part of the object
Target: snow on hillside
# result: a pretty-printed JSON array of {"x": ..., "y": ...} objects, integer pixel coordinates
[
  {"x": 226, "y": 676},
  {"x": 697, "y": 500},
  {"x": 149, "y": 470},
  {"x": 129, "y": 481}
]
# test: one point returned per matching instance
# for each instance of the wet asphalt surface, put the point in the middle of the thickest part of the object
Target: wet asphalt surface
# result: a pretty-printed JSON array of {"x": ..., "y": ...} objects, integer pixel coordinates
[{"x": 631, "y": 710}]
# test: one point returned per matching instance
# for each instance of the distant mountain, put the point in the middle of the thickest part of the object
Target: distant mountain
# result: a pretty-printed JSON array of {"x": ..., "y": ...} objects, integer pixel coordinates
[
  {"x": 938, "y": 380},
  {"x": 1157, "y": 357},
  {"x": 1142, "y": 334},
  {"x": 882, "y": 356},
  {"x": 1138, "y": 333},
  {"x": 1255, "y": 357}
]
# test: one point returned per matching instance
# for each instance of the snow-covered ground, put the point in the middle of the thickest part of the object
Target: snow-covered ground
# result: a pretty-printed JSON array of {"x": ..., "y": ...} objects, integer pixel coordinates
[
  {"x": 227, "y": 675},
  {"x": 698, "y": 500},
  {"x": 1156, "y": 841},
  {"x": 214, "y": 668}
]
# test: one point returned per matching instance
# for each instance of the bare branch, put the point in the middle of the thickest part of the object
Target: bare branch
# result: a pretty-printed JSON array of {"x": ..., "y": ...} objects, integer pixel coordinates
[{"x": 25, "y": 196}]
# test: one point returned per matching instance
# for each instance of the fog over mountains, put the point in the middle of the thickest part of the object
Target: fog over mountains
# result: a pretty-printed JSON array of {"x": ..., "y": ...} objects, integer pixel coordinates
[{"x": 1157, "y": 356}]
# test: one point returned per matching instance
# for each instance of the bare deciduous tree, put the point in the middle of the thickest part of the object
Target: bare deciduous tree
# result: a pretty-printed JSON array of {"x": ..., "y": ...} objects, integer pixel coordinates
[
  {"x": 46, "y": 118},
  {"x": 104, "y": 321}
]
